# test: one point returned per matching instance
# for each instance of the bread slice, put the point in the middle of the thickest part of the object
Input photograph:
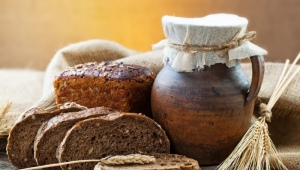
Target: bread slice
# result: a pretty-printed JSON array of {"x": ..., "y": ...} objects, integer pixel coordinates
[
  {"x": 163, "y": 162},
  {"x": 21, "y": 137},
  {"x": 53, "y": 132},
  {"x": 113, "y": 134}
]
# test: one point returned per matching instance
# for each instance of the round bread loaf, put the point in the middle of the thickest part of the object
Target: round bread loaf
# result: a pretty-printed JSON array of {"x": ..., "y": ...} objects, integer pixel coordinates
[
  {"x": 119, "y": 86},
  {"x": 112, "y": 134}
]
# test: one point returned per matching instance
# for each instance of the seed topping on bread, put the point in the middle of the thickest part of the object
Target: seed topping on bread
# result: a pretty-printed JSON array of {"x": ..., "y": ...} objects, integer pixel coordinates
[{"x": 110, "y": 70}]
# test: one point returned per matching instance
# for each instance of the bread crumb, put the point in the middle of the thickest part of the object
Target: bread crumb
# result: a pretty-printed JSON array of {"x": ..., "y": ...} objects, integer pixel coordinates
[{"x": 90, "y": 150}]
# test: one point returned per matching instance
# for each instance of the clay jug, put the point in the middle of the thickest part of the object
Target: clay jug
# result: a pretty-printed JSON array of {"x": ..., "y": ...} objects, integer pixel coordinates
[{"x": 205, "y": 112}]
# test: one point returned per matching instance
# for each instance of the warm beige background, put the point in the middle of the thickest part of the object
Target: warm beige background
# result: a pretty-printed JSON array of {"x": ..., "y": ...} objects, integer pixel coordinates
[{"x": 31, "y": 31}]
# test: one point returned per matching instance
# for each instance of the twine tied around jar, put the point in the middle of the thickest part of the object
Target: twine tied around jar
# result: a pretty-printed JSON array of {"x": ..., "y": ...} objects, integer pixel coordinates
[
  {"x": 223, "y": 48},
  {"x": 256, "y": 149}
]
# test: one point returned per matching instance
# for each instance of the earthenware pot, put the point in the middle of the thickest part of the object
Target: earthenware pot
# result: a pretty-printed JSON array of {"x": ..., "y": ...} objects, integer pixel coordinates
[{"x": 206, "y": 112}]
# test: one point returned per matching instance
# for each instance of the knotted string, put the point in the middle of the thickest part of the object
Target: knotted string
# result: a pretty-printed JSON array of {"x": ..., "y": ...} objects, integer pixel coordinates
[
  {"x": 223, "y": 48},
  {"x": 265, "y": 112}
]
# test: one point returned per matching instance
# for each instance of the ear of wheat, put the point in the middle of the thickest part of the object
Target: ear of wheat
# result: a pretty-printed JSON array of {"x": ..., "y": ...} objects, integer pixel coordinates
[
  {"x": 128, "y": 159},
  {"x": 256, "y": 150},
  {"x": 4, "y": 126}
]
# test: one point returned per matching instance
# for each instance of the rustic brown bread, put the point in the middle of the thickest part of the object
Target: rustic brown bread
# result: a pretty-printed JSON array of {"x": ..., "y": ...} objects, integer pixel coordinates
[
  {"x": 21, "y": 137},
  {"x": 163, "y": 162},
  {"x": 51, "y": 133},
  {"x": 113, "y": 134},
  {"x": 115, "y": 85}
]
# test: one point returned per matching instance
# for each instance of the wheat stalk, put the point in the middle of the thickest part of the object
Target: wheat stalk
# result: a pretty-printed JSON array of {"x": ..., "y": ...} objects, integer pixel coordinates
[
  {"x": 4, "y": 108},
  {"x": 110, "y": 160},
  {"x": 256, "y": 150}
]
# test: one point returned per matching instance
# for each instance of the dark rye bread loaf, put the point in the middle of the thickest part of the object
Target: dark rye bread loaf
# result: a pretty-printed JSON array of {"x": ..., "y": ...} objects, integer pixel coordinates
[
  {"x": 115, "y": 85},
  {"x": 51, "y": 133},
  {"x": 163, "y": 162},
  {"x": 113, "y": 134},
  {"x": 21, "y": 137}
]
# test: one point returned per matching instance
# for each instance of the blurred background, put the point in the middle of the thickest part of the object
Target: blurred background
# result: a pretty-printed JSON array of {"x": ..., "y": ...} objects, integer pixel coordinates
[{"x": 31, "y": 31}]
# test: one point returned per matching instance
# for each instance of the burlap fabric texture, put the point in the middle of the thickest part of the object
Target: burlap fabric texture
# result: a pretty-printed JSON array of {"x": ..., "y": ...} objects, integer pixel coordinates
[{"x": 33, "y": 88}]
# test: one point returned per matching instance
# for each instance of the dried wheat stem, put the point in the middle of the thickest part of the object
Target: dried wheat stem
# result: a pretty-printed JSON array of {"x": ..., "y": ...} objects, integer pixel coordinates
[
  {"x": 282, "y": 83},
  {"x": 110, "y": 160},
  {"x": 285, "y": 85},
  {"x": 61, "y": 164},
  {"x": 290, "y": 69},
  {"x": 278, "y": 83}
]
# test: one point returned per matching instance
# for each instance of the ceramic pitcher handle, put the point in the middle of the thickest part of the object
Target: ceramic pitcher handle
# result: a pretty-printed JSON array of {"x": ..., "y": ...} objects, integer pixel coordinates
[{"x": 257, "y": 77}]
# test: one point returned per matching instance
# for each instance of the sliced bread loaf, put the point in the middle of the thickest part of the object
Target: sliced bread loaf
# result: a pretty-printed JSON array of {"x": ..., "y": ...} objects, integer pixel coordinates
[
  {"x": 113, "y": 134},
  {"x": 52, "y": 133},
  {"x": 163, "y": 162},
  {"x": 21, "y": 137}
]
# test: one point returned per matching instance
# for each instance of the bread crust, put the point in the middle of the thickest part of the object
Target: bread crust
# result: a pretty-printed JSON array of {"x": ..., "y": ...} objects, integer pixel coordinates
[{"x": 113, "y": 134}]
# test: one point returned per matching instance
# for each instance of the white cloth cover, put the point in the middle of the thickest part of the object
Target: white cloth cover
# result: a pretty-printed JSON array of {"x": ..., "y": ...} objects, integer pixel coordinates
[{"x": 210, "y": 30}]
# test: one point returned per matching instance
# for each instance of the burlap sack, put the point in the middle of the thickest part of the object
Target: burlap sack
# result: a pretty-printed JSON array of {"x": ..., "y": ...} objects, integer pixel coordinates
[
  {"x": 27, "y": 88},
  {"x": 19, "y": 89}
]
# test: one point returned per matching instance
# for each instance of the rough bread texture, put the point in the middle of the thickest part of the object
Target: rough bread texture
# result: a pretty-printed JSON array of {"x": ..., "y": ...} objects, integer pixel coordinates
[
  {"x": 51, "y": 133},
  {"x": 21, "y": 137},
  {"x": 163, "y": 162},
  {"x": 113, "y": 134},
  {"x": 119, "y": 86}
]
